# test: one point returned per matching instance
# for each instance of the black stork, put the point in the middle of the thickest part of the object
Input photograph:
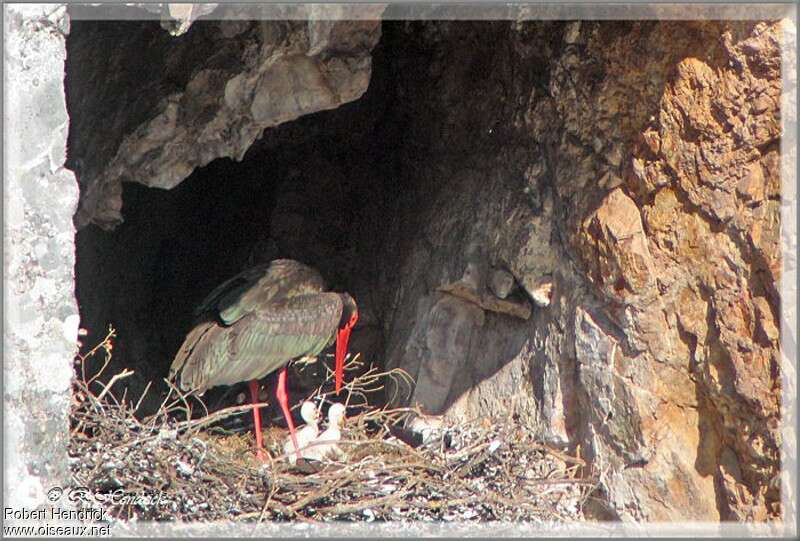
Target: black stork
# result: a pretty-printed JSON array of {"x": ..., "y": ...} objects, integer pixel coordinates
[{"x": 256, "y": 323}]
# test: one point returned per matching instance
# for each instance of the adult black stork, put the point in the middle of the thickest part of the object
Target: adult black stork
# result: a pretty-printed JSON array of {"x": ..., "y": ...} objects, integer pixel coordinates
[{"x": 256, "y": 323}]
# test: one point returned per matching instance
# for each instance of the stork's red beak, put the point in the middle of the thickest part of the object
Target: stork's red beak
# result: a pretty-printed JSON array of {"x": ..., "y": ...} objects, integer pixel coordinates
[{"x": 342, "y": 339}]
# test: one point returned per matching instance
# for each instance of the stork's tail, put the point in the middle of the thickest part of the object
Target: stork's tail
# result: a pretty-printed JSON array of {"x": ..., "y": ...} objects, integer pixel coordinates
[{"x": 184, "y": 365}]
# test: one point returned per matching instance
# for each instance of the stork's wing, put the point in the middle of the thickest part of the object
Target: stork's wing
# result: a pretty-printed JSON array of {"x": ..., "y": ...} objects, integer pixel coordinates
[
  {"x": 260, "y": 342},
  {"x": 257, "y": 287},
  {"x": 238, "y": 283}
]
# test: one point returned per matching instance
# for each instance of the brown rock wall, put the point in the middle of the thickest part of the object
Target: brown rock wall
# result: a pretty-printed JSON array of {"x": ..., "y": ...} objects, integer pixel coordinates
[
  {"x": 699, "y": 172},
  {"x": 649, "y": 155}
]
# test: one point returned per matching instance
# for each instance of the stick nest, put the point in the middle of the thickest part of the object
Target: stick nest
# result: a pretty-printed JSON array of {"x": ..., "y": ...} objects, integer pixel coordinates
[{"x": 172, "y": 467}]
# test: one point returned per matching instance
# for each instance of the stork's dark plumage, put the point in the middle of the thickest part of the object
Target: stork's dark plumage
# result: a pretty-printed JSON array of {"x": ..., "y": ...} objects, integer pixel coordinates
[{"x": 256, "y": 323}]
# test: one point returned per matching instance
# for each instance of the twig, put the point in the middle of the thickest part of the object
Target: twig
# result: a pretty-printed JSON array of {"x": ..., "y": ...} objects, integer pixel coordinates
[
  {"x": 344, "y": 508},
  {"x": 104, "y": 344},
  {"x": 122, "y": 375},
  {"x": 273, "y": 489},
  {"x": 141, "y": 398}
]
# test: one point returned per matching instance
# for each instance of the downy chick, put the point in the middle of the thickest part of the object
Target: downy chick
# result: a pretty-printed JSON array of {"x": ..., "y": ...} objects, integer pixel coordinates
[
  {"x": 307, "y": 434},
  {"x": 326, "y": 444}
]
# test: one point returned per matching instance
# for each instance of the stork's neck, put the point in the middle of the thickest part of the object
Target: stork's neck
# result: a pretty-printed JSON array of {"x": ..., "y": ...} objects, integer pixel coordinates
[{"x": 349, "y": 309}]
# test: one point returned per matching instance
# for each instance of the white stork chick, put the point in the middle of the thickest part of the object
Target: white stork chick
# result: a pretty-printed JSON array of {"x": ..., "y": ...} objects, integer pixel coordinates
[
  {"x": 326, "y": 444},
  {"x": 307, "y": 434}
]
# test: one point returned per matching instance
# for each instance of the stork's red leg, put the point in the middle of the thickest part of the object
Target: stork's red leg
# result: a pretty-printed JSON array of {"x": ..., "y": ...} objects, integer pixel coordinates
[
  {"x": 257, "y": 419},
  {"x": 283, "y": 400}
]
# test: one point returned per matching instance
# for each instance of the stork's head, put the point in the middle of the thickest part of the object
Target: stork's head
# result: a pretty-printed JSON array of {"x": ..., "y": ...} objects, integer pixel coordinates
[{"x": 346, "y": 324}]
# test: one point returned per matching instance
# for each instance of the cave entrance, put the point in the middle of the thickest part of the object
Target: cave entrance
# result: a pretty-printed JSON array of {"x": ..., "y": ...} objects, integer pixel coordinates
[
  {"x": 316, "y": 190},
  {"x": 403, "y": 197}
]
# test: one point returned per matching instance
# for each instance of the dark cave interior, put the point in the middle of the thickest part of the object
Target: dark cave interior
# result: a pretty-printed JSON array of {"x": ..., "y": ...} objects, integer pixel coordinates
[
  {"x": 347, "y": 190},
  {"x": 315, "y": 190}
]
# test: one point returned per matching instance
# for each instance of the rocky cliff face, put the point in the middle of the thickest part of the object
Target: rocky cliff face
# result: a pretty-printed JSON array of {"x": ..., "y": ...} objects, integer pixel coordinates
[
  {"x": 574, "y": 224},
  {"x": 636, "y": 166}
]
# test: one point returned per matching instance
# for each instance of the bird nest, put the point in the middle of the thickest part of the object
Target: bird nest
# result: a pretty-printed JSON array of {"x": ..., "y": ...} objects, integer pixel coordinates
[{"x": 171, "y": 467}]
